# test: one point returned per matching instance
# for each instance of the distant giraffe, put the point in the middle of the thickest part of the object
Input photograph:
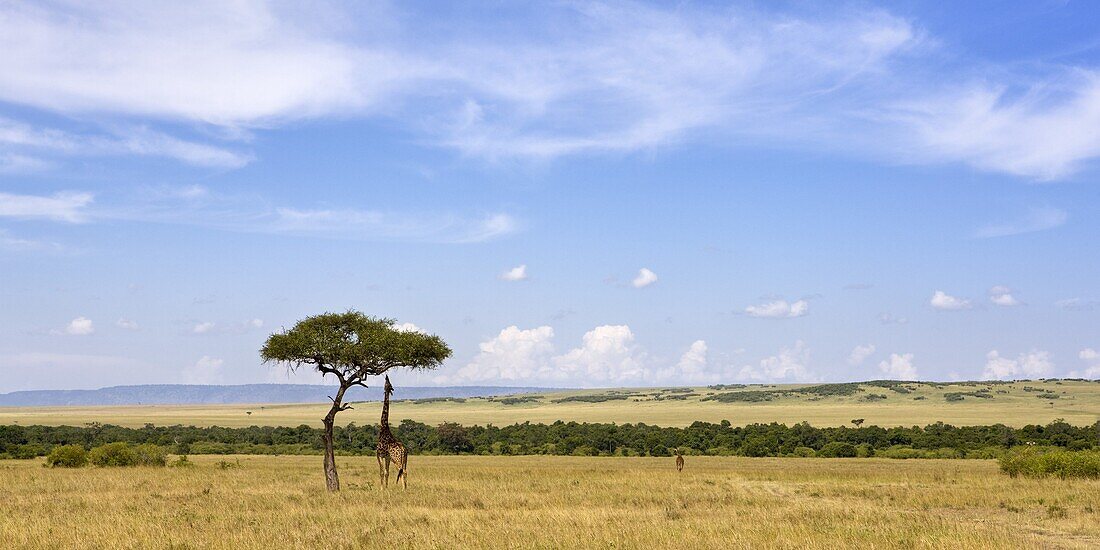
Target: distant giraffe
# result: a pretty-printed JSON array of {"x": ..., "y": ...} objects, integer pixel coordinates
[
  {"x": 389, "y": 448},
  {"x": 679, "y": 461}
]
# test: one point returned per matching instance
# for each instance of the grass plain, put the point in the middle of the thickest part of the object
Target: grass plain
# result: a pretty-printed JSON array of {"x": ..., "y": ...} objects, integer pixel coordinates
[
  {"x": 1015, "y": 404},
  {"x": 547, "y": 502}
]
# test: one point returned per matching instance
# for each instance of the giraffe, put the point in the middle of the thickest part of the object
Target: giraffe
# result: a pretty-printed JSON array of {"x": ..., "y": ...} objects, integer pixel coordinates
[
  {"x": 679, "y": 461},
  {"x": 389, "y": 448}
]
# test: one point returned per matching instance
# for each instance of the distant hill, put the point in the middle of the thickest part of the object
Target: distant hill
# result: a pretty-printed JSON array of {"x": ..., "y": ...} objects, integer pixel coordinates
[{"x": 183, "y": 394}]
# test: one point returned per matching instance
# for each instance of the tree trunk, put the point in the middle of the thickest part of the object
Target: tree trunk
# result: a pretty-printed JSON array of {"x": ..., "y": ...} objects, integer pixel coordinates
[{"x": 332, "y": 479}]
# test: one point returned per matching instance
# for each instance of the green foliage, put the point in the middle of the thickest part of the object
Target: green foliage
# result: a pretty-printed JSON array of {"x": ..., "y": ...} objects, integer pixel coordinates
[
  {"x": 599, "y": 398},
  {"x": 563, "y": 438},
  {"x": 1051, "y": 463},
  {"x": 353, "y": 346},
  {"x": 838, "y": 449},
  {"x": 67, "y": 456},
  {"x": 750, "y": 396},
  {"x": 113, "y": 454},
  {"x": 124, "y": 454}
]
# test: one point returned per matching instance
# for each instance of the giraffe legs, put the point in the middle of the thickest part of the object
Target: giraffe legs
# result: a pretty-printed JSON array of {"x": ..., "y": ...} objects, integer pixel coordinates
[{"x": 383, "y": 470}]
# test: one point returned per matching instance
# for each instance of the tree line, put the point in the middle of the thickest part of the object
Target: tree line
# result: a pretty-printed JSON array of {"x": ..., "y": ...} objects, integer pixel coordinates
[{"x": 570, "y": 438}]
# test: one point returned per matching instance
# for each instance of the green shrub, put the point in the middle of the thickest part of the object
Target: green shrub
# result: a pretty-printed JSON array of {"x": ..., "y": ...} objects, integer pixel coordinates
[
  {"x": 150, "y": 455},
  {"x": 181, "y": 462},
  {"x": 113, "y": 454},
  {"x": 67, "y": 456},
  {"x": 27, "y": 451},
  {"x": 1040, "y": 463},
  {"x": 803, "y": 452},
  {"x": 838, "y": 449}
]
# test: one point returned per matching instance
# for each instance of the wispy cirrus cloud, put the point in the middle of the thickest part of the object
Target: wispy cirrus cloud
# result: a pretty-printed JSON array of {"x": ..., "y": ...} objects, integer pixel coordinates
[
  {"x": 30, "y": 148},
  {"x": 589, "y": 78},
  {"x": 198, "y": 206},
  {"x": 67, "y": 206},
  {"x": 1036, "y": 219}
]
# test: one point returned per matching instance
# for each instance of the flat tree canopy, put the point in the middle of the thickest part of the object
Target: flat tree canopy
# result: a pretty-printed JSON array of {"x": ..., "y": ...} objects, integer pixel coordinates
[{"x": 351, "y": 346}]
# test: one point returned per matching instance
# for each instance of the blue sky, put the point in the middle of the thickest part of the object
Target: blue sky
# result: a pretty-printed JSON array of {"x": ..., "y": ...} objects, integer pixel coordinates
[{"x": 571, "y": 194}]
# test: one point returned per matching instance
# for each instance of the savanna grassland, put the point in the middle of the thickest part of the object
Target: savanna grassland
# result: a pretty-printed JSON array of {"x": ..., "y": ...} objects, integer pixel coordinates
[
  {"x": 547, "y": 502},
  {"x": 910, "y": 404}
]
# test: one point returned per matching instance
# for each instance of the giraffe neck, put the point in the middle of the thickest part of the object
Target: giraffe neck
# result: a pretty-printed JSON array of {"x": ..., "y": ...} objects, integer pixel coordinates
[{"x": 386, "y": 412}]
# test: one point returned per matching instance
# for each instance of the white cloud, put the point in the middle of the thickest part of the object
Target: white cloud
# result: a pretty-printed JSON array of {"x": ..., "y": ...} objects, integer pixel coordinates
[
  {"x": 207, "y": 370},
  {"x": 583, "y": 81},
  {"x": 132, "y": 140},
  {"x": 63, "y": 207},
  {"x": 788, "y": 366},
  {"x": 408, "y": 327},
  {"x": 198, "y": 206},
  {"x": 1037, "y": 129},
  {"x": 252, "y": 64},
  {"x": 943, "y": 301},
  {"x": 1093, "y": 369},
  {"x": 81, "y": 326},
  {"x": 899, "y": 367},
  {"x": 518, "y": 273},
  {"x": 1037, "y": 219},
  {"x": 18, "y": 244},
  {"x": 1035, "y": 364},
  {"x": 1002, "y": 296},
  {"x": 511, "y": 356},
  {"x": 693, "y": 362},
  {"x": 860, "y": 353},
  {"x": 255, "y": 323},
  {"x": 607, "y": 354},
  {"x": 1077, "y": 304},
  {"x": 127, "y": 324},
  {"x": 644, "y": 278},
  {"x": 202, "y": 327},
  {"x": 891, "y": 319},
  {"x": 33, "y": 370},
  {"x": 779, "y": 309}
]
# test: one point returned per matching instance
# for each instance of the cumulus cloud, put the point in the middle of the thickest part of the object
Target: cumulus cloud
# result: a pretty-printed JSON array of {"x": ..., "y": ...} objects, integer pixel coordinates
[
  {"x": 203, "y": 327},
  {"x": 512, "y": 355},
  {"x": 1034, "y": 364},
  {"x": 127, "y": 324},
  {"x": 1002, "y": 296},
  {"x": 1092, "y": 369},
  {"x": 80, "y": 326},
  {"x": 518, "y": 273},
  {"x": 789, "y": 365},
  {"x": 860, "y": 353},
  {"x": 644, "y": 278},
  {"x": 945, "y": 302},
  {"x": 207, "y": 370},
  {"x": 608, "y": 354},
  {"x": 779, "y": 309},
  {"x": 408, "y": 327},
  {"x": 899, "y": 367}
]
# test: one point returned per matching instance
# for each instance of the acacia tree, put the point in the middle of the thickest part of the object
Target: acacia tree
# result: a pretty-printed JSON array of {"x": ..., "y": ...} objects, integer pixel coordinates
[{"x": 350, "y": 346}]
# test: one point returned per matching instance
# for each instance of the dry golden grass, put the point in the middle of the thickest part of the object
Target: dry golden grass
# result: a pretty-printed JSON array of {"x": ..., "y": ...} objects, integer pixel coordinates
[
  {"x": 1078, "y": 403},
  {"x": 547, "y": 502}
]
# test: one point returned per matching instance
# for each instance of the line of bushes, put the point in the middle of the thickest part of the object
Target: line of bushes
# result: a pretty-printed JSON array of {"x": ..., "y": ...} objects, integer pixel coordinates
[
  {"x": 1030, "y": 462},
  {"x": 571, "y": 438},
  {"x": 119, "y": 453}
]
